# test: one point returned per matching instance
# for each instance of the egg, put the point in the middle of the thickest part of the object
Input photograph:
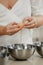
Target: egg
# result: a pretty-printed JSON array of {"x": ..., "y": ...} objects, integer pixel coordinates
[{"x": 21, "y": 25}]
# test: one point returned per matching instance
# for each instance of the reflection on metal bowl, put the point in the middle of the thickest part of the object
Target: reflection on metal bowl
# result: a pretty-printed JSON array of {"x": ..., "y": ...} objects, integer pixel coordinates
[
  {"x": 3, "y": 51},
  {"x": 21, "y": 51},
  {"x": 39, "y": 48}
]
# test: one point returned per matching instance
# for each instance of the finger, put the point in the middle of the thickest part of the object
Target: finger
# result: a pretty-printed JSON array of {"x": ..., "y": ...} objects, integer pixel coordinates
[
  {"x": 13, "y": 26},
  {"x": 13, "y": 31},
  {"x": 13, "y": 23},
  {"x": 31, "y": 26},
  {"x": 27, "y": 19},
  {"x": 30, "y": 23}
]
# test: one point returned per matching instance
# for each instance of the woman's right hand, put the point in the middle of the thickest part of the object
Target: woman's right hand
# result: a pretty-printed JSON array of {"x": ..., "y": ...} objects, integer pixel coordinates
[{"x": 12, "y": 28}]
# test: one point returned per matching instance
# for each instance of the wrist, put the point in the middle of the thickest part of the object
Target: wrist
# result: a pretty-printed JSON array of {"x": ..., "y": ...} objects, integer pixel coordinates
[
  {"x": 36, "y": 21},
  {"x": 4, "y": 30}
]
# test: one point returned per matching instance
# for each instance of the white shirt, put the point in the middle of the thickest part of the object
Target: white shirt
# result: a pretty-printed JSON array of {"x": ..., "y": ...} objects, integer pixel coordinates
[
  {"x": 37, "y": 9},
  {"x": 19, "y": 11}
]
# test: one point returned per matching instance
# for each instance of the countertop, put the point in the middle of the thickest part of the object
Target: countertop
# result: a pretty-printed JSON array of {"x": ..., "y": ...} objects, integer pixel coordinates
[{"x": 34, "y": 60}]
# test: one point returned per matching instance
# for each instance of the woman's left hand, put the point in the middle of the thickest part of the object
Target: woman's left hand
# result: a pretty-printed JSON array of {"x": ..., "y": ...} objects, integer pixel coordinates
[{"x": 30, "y": 22}]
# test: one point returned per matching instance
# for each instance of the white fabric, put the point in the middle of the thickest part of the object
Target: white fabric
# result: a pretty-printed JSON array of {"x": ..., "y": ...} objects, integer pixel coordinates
[
  {"x": 19, "y": 11},
  {"x": 37, "y": 9}
]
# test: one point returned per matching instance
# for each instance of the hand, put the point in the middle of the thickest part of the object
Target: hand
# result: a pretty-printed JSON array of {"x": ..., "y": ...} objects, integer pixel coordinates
[
  {"x": 30, "y": 22},
  {"x": 12, "y": 28}
]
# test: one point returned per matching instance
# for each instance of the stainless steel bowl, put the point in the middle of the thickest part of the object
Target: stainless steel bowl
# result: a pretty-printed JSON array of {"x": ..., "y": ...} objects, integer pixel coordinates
[
  {"x": 3, "y": 51},
  {"x": 39, "y": 48},
  {"x": 21, "y": 51}
]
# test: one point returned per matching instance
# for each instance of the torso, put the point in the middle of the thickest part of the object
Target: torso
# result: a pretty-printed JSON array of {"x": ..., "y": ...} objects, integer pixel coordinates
[{"x": 21, "y": 9}]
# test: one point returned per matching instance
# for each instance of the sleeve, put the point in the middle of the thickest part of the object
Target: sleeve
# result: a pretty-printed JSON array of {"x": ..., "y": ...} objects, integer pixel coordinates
[{"x": 37, "y": 7}]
